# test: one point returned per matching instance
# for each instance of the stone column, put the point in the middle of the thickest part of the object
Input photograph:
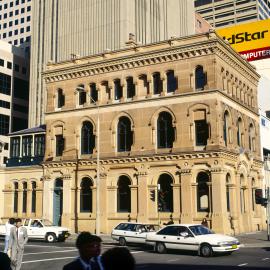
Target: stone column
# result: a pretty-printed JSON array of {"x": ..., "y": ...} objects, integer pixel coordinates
[
  {"x": 176, "y": 200},
  {"x": 29, "y": 200},
  {"x": 20, "y": 201},
  {"x": 164, "y": 85},
  {"x": 103, "y": 200},
  {"x": 150, "y": 83},
  {"x": 39, "y": 198},
  {"x": 47, "y": 206},
  {"x": 124, "y": 92},
  {"x": 111, "y": 91},
  {"x": 219, "y": 208},
  {"x": 68, "y": 207},
  {"x": 187, "y": 197},
  {"x": 134, "y": 202},
  {"x": 112, "y": 201}
]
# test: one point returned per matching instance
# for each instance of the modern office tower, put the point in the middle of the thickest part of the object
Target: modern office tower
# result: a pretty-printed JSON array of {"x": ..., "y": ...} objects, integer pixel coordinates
[
  {"x": 63, "y": 29},
  {"x": 15, "y": 22},
  {"x": 222, "y": 13},
  {"x": 14, "y": 92}
]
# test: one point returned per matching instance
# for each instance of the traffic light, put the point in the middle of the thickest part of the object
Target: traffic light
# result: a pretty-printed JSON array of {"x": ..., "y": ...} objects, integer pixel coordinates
[
  {"x": 258, "y": 196},
  {"x": 152, "y": 195}
]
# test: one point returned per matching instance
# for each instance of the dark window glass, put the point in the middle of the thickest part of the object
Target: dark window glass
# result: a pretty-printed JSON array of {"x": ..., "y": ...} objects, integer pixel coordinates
[
  {"x": 15, "y": 199},
  {"x": 93, "y": 93},
  {"x": 170, "y": 230},
  {"x": 118, "y": 90},
  {"x": 24, "y": 198},
  {"x": 5, "y": 84},
  {"x": 16, "y": 21},
  {"x": 20, "y": 108},
  {"x": 2, "y": 62},
  {"x": 124, "y": 135},
  {"x": 200, "y": 78},
  {"x": 6, "y": 146},
  {"x": 22, "y": 10},
  {"x": 228, "y": 193},
  {"x": 4, "y": 124},
  {"x": 165, "y": 193},
  {"x": 28, "y": 18},
  {"x": 61, "y": 98},
  {"x": 4, "y": 104},
  {"x": 9, "y": 65},
  {"x": 21, "y": 89},
  {"x": 165, "y": 131},
  {"x": 225, "y": 128},
  {"x": 24, "y": 70},
  {"x": 19, "y": 124},
  {"x": 34, "y": 186},
  {"x": 124, "y": 195},
  {"x": 82, "y": 97},
  {"x": 39, "y": 150},
  {"x": 27, "y": 146},
  {"x": 16, "y": 68},
  {"x": 15, "y": 147},
  {"x": 202, "y": 192},
  {"x": 86, "y": 195},
  {"x": 201, "y": 131},
  {"x": 29, "y": 8},
  {"x": 171, "y": 82},
  {"x": 10, "y": 23},
  {"x": 157, "y": 83},
  {"x": 130, "y": 88},
  {"x": 239, "y": 132},
  {"x": 87, "y": 138},
  {"x": 60, "y": 145}
]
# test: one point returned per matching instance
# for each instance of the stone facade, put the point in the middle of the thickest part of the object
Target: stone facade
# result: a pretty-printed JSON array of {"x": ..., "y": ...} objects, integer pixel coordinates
[{"x": 203, "y": 161}]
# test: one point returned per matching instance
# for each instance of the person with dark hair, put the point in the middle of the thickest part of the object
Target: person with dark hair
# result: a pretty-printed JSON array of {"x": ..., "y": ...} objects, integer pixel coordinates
[
  {"x": 118, "y": 258},
  {"x": 89, "y": 247},
  {"x": 204, "y": 222},
  {"x": 4, "y": 261},
  {"x": 18, "y": 239},
  {"x": 8, "y": 226}
]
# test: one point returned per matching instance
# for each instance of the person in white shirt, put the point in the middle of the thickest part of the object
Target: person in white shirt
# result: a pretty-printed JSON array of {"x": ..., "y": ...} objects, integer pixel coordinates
[{"x": 8, "y": 226}]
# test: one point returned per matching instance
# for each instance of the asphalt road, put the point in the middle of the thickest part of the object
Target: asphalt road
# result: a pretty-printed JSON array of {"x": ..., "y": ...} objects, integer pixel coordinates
[{"x": 46, "y": 256}]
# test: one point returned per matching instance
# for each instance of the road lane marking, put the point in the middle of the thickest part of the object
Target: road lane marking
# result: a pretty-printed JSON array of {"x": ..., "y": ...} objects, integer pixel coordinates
[
  {"x": 173, "y": 260},
  {"x": 134, "y": 252},
  {"x": 242, "y": 264},
  {"x": 47, "y": 252},
  {"x": 52, "y": 259},
  {"x": 265, "y": 259}
]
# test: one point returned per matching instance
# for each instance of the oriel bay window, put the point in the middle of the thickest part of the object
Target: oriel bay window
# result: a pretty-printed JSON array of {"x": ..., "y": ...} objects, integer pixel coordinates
[
  {"x": 124, "y": 135},
  {"x": 39, "y": 150},
  {"x": 86, "y": 195},
  {"x": 165, "y": 130},
  {"x": 87, "y": 138},
  {"x": 59, "y": 145},
  {"x": 15, "y": 147},
  {"x": 27, "y": 146}
]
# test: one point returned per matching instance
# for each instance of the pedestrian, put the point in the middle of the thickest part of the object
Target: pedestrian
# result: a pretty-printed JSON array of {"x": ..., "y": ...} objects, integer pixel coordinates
[
  {"x": 89, "y": 247},
  {"x": 8, "y": 226},
  {"x": 204, "y": 222},
  {"x": 170, "y": 222},
  {"x": 118, "y": 258},
  {"x": 18, "y": 239},
  {"x": 4, "y": 261}
]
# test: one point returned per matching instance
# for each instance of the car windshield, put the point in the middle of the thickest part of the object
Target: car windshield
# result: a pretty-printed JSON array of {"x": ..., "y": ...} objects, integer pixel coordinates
[
  {"x": 200, "y": 230},
  {"x": 46, "y": 222}
]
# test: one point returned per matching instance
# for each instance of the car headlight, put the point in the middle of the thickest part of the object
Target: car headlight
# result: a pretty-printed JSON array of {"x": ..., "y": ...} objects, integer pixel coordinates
[{"x": 224, "y": 243}]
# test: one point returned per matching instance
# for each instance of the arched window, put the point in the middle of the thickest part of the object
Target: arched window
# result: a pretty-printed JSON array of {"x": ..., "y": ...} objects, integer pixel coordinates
[
  {"x": 34, "y": 187},
  {"x": 82, "y": 94},
  {"x": 123, "y": 194},
  {"x": 203, "y": 200},
  {"x": 87, "y": 138},
  {"x": 15, "y": 198},
  {"x": 118, "y": 89},
  {"x": 60, "y": 98},
  {"x": 239, "y": 132},
  {"x": 228, "y": 181},
  {"x": 124, "y": 135},
  {"x": 93, "y": 93},
  {"x": 157, "y": 83},
  {"x": 171, "y": 81},
  {"x": 165, "y": 130},
  {"x": 242, "y": 194},
  {"x": 86, "y": 195},
  {"x": 225, "y": 127},
  {"x": 165, "y": 193},
  {"x": 200, "y": 78},
  {"x": 24, "y": 199},
  {"x": 251, "y": 136},
  {"x": 130, "y": 87}
]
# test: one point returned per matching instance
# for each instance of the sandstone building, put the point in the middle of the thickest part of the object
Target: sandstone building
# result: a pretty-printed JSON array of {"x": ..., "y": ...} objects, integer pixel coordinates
[{"x": 178, "y": 136}]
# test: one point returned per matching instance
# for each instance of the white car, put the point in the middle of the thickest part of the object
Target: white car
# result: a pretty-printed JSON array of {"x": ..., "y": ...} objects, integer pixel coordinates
[
  {"x": 191, "y": 237},
  {"x": 132, "y": 232}
]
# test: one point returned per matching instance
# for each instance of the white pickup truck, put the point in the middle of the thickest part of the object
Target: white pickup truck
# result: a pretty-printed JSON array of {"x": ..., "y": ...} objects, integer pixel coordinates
[{"x": 41, "y": 229}]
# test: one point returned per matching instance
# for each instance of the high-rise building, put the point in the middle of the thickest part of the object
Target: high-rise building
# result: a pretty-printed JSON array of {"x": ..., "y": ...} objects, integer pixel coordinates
[
  {"x": 15, "y": 22},
  {"x": 14, "y": 92},
  {"x": 65, "y": 28},
  {"x": 221, "y": 13}
]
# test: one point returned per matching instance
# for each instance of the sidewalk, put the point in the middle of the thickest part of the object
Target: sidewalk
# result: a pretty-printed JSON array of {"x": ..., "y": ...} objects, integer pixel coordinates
[{"x": 253, "y": 239}]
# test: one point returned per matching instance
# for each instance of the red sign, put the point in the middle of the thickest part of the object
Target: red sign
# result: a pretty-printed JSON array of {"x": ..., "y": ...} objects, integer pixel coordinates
[{"x": 256, "y": 54}]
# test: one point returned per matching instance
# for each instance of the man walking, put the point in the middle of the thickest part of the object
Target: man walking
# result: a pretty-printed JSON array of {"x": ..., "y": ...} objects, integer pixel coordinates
[
  {"x": 18, "y": 239},
  {"x": 89, "y": 247},
  {"x": 8, "y": 226}
]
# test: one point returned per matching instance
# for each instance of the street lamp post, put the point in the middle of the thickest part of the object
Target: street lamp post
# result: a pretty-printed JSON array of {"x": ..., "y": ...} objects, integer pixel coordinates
[{"x": 81, "y": 89}]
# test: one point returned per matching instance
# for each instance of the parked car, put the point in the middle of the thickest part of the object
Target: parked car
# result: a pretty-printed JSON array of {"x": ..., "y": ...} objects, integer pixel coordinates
[
  {"x": 132, "y": 232},
  {"x": 191, "y": 237},
  {"x": 41, "y": 229}
]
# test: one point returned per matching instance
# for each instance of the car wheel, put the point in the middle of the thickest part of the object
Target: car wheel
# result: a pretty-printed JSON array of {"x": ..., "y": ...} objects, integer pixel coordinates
[
  {"x": 122, "y": 241},
  {"x": 50, "y": 237},
  {"x": 160, "y": 248},
  {"x": 206, "y": 250}
]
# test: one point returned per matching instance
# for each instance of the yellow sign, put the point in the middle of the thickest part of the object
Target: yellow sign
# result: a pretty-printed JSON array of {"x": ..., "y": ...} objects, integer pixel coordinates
[{"x": 249, "y": 38}]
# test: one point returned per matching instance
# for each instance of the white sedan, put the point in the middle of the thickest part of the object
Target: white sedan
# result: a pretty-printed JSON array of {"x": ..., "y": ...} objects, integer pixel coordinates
[{"x": 191, "y": 237}]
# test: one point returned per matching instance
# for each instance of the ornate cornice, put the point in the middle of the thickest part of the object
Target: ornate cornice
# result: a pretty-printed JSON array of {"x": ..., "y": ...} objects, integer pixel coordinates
[{"x": 179, "y": 51}]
